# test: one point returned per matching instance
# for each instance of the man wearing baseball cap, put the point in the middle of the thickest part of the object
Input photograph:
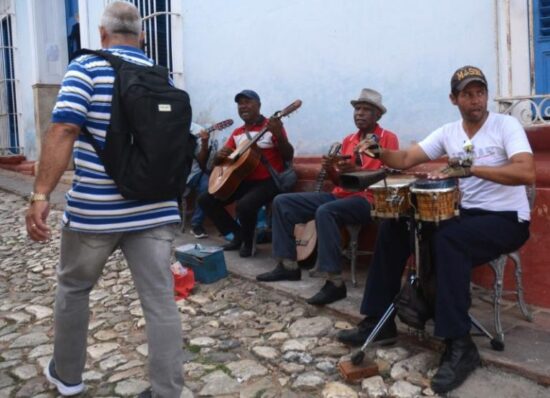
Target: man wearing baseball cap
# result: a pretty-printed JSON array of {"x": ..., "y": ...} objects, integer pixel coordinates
[
  {"x": 490, "y": 155},
  {"x": 258, "y": 188}
]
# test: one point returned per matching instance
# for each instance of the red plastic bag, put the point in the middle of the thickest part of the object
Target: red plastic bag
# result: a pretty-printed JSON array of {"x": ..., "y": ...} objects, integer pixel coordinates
[{"x": 184, "y": 280}]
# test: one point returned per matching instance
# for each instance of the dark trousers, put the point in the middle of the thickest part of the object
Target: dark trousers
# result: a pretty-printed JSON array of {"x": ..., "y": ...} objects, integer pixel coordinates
[
  {"x": 329, "y": 212},
  {"x": 250, "y": 197},
  {"x": 457, "y": 245}
]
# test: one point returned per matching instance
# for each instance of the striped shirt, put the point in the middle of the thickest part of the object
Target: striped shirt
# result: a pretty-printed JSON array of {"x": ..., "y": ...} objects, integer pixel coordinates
[{"x": 94, "y": 203}]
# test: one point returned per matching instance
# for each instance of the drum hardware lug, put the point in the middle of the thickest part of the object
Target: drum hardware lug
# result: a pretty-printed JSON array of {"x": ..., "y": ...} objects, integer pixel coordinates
[{"x": 395, "y": 200}]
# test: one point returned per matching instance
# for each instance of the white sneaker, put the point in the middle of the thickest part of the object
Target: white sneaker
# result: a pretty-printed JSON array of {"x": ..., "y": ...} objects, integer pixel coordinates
[{"x": 64, "y": 389}]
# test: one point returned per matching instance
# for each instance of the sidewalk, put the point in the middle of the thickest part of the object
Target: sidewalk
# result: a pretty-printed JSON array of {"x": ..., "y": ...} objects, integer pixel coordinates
[
  {"x": 527, "y": 344},
  {"x": 527, "y": 351}
]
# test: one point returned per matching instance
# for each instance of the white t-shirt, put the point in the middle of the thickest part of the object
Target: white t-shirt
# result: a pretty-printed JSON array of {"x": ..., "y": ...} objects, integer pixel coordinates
[{"x": 500, "y": 138}]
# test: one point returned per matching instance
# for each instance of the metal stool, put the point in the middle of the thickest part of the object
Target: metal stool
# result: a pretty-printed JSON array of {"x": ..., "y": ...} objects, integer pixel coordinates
[
  {"x": 352, "y": 251},
  {"x": 498, "y": 267}
]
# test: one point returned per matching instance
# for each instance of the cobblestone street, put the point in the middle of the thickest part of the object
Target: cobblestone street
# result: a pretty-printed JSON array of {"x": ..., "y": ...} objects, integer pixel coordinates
[{"x": 241, "y": 340}]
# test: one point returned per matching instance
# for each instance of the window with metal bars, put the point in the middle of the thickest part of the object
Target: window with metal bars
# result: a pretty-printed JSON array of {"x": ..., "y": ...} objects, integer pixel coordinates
[
  {"x": 157, "y": 27},
  {"x": 9, "y": 124},
  {"x": 544, "y": 18}
]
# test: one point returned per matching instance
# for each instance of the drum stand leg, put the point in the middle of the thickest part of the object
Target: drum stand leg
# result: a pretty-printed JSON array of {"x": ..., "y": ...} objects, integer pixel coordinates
[
  {"x": 358, "y": 357},
  {"x": 496, "y": 344}
]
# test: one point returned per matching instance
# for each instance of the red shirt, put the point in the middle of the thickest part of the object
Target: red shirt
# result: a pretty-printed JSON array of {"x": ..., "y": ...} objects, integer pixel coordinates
[
  {"x": 267, "y": 144},
  {"x": 387, "y": 140}
]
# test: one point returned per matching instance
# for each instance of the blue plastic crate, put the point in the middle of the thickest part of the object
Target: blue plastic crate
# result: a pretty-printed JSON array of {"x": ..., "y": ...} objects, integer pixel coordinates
[{"x": 207, "y": 262}]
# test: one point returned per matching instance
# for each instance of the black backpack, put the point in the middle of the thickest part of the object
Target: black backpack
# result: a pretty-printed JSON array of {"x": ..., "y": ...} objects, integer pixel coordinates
[{"x": 148, "y": 147}]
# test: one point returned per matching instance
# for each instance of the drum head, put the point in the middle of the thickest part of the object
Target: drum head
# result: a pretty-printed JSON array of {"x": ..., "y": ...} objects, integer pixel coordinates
[
  {"x": 393, "y": 182},
  {"x": 437, "y": 185}
]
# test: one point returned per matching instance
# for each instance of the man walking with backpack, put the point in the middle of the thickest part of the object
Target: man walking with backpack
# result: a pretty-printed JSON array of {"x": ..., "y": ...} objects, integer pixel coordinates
[{"x": 98, "y": 219}]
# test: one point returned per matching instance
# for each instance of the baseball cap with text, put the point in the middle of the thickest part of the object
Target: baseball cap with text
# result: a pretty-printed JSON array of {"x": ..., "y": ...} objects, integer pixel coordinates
[{"x": 465, "y": 75}]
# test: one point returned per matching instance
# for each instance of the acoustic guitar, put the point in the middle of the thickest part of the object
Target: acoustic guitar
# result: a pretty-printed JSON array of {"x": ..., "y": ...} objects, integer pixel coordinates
[
  {"x": 226, "y": 177},
  {"x": 306, "y": 234}
]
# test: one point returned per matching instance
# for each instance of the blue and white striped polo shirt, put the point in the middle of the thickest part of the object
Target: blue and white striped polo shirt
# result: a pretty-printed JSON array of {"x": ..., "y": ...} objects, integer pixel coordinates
[{"x": 94, "y": 203}]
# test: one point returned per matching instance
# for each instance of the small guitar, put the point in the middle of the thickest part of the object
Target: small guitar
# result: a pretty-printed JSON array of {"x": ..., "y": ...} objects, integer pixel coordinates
[
  {"x": 219, "y": 126},
  {"x": 306, "y": 234},
  {"x": 215, "y": 127},
  {"x": 226, "y": 178}
]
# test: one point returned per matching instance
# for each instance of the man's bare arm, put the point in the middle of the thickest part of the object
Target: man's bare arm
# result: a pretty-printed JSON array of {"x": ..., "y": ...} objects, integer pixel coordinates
[
  {"x": 519, "y": 171},
  {"x": 403, "y": 159},
  {"x": 55, "y": 155}
]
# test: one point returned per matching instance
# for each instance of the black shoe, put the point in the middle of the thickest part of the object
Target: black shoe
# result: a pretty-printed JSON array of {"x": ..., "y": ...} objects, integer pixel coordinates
[
  {"x": 357, "y": 337},
  {"x": 146, "y": 394},
  {"x": 459, "y": 360},
  {"x": 235, "y": 244},
  {"x": 280, "y": 273},
  {"x": 329, "y": 293},
  {"x": 198, "y": 232},
  {"x": 246, "y": 250}
]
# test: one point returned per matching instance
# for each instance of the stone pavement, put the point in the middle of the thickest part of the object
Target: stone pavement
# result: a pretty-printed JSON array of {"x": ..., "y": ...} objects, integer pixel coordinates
[{"x": 242, "y": 339}]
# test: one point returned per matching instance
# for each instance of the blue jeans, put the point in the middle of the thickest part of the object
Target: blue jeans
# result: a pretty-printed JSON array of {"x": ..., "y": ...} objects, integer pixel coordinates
[
  {"x": 329, "y": 212},
  {"x": 199, "y": 182},
  {"x": 148, "y": 253}
]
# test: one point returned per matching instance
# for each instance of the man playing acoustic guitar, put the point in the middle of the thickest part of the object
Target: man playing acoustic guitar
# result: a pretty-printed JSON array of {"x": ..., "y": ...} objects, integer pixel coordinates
[
  {"x": 258, "y": 188},
  {"x": 330, "y": 210}
]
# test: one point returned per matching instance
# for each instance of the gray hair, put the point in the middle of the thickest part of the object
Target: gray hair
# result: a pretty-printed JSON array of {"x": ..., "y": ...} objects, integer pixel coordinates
[{"x": 121, "y": 17}]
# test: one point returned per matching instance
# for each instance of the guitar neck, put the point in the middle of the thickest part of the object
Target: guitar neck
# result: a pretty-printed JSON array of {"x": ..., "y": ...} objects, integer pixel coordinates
[
  {"x": 219, "y": 126},
  {"x": 333, "y": 151},
  {"x": 210, "y": 129},
  {"x": 247, "y": 146},
  {"x": 320, "y": 180},
  {"x": 276, "y": 116}
]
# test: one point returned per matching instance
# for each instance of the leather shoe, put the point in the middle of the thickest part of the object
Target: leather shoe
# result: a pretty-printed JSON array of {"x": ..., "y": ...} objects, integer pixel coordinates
[
  {"x": 280, "y": 273},
  {"x": 357, "y": 337},
  {"x": 235, "y": 244},
  {"x": 146, "y": 394},
  {"x": 459, "y": 360},
  {"x": 246, "y": 250},
  {"x": 329, "y": 293}
]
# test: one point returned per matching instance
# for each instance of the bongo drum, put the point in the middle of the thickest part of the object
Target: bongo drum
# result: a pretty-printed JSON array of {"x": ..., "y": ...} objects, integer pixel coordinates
[
  {"x": 391, "y": 197},
  {"x": 434, "y": 200}
]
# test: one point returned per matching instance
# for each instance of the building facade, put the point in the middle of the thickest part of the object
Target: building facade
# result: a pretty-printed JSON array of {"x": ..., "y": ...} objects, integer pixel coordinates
[{"x": 320, "y": 51}]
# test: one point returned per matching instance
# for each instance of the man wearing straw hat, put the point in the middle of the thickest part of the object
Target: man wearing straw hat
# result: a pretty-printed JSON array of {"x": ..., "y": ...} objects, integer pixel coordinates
[{"x": 331, "y": 210}]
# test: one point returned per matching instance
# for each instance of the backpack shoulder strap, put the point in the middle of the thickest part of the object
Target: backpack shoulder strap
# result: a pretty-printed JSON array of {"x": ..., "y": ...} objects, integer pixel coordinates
[
  {"x": 93, "y": 142},
  {"x": 116, "y": 62}
]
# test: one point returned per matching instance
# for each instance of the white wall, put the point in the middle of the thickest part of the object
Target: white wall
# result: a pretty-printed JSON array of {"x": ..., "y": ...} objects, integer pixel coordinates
[
  {"x": 40, "y": 58},
  {"x": 325, "y": 51},
  {"x": 24, "y": 74}
]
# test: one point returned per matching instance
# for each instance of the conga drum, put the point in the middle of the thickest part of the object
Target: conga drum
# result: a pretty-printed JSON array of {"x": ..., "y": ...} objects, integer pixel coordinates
[
  {"x": 391, "y": 197},
  {"x": 434, "y": 200}
]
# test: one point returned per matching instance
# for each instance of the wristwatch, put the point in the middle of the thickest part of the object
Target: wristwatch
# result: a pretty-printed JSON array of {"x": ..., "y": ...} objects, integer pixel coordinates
[{"x": 38, "y": 197}]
